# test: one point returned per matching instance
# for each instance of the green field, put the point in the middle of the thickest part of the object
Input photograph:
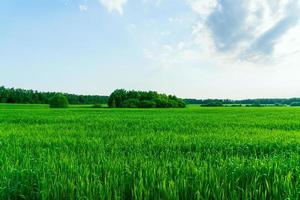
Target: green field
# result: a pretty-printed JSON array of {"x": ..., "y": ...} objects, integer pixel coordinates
[{"x": 192, "y": 153}]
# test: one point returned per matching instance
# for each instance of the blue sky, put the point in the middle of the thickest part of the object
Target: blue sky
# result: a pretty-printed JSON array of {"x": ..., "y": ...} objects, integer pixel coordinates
[{"x": 191, "y": 48}]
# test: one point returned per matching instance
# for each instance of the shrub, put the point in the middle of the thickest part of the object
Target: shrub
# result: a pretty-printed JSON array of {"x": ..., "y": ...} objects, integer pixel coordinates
[{"x": 59, "y": 101}]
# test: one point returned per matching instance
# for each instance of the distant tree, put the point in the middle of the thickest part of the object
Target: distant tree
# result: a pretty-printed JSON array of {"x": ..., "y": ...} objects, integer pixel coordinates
[
  {"x": 295, "y": 103},
  {"x": 117, "y": 97},
  {"x": 11, "y": 100},
  {"x": 181, "y": 103},
  {"x": 133, "y": 99},
  {"x": 113, "y": 104},
  {"x": 235, "y": 105},
  {"x": 213, "y": 104},
  {"x": 12, "y": 95},
  {"x": 59, "y": 101},
  {"x": 255, "y": 104},
  {"x": 161, "y": 103},
  {"x": 131, "y": 103},
  {"x": 244, "y": 102},
  {"x": 147, "y": 104},
  {"x": 133, "y": 94},
  {"x": 97, "y": 106}
]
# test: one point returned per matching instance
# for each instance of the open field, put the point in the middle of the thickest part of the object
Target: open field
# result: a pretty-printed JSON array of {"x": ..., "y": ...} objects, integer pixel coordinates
[{"x": 192, "y": 153}]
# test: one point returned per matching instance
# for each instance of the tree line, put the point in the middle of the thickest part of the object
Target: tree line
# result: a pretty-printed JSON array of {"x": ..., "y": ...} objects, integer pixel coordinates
[
  {"x": 135, "y": 99},
  {"x": 12, "y": 95},
  {"x": 212, "y": 102},
  {"x": 121, "y": 98}
]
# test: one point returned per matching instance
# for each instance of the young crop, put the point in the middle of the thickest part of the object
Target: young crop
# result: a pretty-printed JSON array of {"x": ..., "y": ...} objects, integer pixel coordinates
[{"x": 192, "y": 153}]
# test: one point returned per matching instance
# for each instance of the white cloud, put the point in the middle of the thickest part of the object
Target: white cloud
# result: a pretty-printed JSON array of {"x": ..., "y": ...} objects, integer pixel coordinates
[
  {"x": 288, "y": 45},
  {"x": 83, "y": 8},
  {"x": 114, "y": 5},
  {"x": 203, "y": 7},
  {"x": 242, "y": 29},
  {"x": 229, "y": 33}
]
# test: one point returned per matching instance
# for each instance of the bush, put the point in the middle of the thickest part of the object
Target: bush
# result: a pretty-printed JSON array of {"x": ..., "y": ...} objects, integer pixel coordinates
[
  {"x": 147, "y": 104},
  {"x": 59, "y": 101},
  {"x": 295, "y": 104}
]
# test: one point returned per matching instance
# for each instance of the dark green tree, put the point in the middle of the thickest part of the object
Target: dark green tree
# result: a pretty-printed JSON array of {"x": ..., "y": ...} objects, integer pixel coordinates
[
  {"x": 147, "y": 104},
  {"x": 295, "y": 103},
  {"x": 59, "y": 101},
  {"x": 131, "y": 103},
  {"x": 117, "y": 98},
  {"x": 133, "y": 99},
  {"x": 12, "y": 95}
]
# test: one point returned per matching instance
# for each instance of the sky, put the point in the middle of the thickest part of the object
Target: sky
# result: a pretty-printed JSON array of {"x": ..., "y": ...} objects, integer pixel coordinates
[{"x": 191, "y": 48}]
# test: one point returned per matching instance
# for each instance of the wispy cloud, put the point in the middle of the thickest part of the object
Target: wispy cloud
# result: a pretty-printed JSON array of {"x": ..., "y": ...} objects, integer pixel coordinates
[
  {"x": 264, "y": 44},
  {"x": 247, "y": 29},
  {"x": 227, "y": 24},
  {"x": 114, "y": 5},
  {"x": 83, "y": 8},
  {"x": 203, "y": 7}
]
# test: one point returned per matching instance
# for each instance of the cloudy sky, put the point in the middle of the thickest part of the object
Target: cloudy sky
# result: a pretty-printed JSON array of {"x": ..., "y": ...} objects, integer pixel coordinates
[{"x": 191, "y": 48}]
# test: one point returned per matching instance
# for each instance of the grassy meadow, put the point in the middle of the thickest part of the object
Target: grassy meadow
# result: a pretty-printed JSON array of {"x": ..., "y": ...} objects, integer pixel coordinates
[{"x": 192, "y": 153}]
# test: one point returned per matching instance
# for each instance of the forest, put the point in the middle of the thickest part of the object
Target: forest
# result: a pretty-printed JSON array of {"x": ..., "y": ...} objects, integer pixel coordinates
[{"x": 21, "y": 96}]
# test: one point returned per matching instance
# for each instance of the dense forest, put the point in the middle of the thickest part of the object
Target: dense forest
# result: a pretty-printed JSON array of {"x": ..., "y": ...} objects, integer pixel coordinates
[
  {"x": 12, "y": 95},
  {"x": 121, "y": 98}
]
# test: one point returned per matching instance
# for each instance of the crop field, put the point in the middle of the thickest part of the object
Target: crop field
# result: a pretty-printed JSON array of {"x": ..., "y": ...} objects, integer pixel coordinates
[{"x": 192, "y": 153}]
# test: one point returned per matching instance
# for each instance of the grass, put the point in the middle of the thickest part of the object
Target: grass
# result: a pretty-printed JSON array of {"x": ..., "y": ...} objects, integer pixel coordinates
[{"x": 193, "y": 153}]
